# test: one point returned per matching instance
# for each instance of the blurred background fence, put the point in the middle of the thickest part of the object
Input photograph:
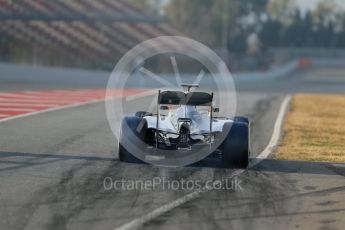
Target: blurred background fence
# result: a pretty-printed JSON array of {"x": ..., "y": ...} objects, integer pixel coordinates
[{"x": 250, "y": 35}]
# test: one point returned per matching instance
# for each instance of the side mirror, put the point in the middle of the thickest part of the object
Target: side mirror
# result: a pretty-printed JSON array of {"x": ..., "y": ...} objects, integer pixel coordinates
[
  {"x": 164, "y": 107},
  {"x": 216, "y": 110}
]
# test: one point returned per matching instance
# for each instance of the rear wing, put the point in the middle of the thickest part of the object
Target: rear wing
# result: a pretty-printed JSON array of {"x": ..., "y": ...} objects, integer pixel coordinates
[{"x": 181, "y": 98}]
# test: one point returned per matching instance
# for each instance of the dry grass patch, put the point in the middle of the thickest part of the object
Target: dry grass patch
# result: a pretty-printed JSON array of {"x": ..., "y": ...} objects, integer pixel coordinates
[{"x": 314, "y": 129}]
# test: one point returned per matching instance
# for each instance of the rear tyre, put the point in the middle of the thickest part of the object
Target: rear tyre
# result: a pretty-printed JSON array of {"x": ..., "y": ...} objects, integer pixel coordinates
[
  {"x": 126, "y": 156},
  {"x": 236, "y": 145},
  {"x": 133, "y": 123}
]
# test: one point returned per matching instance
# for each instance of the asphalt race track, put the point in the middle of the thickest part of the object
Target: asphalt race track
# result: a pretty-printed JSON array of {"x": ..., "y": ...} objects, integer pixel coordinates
[{"x": 53, "y": 165}]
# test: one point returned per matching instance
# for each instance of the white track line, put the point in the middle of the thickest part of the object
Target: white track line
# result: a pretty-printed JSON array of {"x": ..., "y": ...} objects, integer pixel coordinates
[
  {"x": 41, "y": 100},
  {"x": 16, "y": 95},
  {"x": 73, "y": 105},
  {"x": 274, "y": 141},
  {"x": 17, "y": 109},
  {"x": 28, "y": 104},
  {"x": 140, "y": 221},
  {"x": 50, "y": 110},
  {"x": 74, "y": 93},
  {"x": 45, "y": 96}
]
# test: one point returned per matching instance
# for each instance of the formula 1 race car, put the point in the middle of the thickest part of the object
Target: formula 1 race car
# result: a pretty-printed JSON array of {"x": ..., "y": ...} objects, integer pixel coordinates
[{"x": 185, "y": 121}]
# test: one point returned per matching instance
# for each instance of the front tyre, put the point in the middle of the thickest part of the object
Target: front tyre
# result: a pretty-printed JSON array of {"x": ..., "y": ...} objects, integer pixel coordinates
[{"x": 130, "y": 126}]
